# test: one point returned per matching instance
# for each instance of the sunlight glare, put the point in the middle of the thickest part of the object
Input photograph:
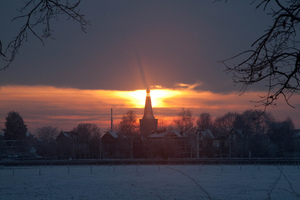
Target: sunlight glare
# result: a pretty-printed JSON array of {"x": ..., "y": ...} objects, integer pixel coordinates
[
  {"x": 139, "y": 97},
  {"x": 157, "y": 97}
]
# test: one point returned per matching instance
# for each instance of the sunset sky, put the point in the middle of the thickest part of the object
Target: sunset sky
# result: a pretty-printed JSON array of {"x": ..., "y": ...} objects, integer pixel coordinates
[{"x": 174, "y": 46}]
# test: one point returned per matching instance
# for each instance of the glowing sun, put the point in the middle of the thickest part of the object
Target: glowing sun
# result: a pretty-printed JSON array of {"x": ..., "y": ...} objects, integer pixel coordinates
[{"x": 157, "y": 97}]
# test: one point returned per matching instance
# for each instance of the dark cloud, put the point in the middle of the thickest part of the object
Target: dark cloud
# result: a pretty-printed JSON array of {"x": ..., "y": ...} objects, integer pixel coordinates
[{"x": 175, "y": 41}]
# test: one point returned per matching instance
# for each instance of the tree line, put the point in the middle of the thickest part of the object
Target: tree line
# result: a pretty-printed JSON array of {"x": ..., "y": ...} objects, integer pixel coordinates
[{"x": 258, "y": 132}]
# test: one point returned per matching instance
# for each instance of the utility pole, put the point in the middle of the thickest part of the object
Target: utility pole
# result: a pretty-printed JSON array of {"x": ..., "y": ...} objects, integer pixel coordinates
[
  {"x": 111, "y": 120},
  {"x": 197, "y": 143}
]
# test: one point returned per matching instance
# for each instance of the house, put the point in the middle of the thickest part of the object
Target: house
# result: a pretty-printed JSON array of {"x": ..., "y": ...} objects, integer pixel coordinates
[
  {"x": 72, "y": 147},
  {"x": 238, "y": 143},
  {"x": 111, "y": 145},
  {"x": 204, "y": 143},
  {"x": 167, "y": 144},
  {"x": 65, "y": 141},
  {"x": 120, "y": 145}
]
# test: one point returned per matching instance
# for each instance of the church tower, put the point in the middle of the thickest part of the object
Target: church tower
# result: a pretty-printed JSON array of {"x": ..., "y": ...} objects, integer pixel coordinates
[{"x": 148, "y": 123}]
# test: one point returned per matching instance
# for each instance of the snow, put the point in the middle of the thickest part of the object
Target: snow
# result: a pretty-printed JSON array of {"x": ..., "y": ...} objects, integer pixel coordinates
[{"x": 150, "y": 182}]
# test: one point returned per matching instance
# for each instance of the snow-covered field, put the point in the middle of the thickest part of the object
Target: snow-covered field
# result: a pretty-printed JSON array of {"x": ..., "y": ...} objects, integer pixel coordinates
[{"x": 151, "y": 182}]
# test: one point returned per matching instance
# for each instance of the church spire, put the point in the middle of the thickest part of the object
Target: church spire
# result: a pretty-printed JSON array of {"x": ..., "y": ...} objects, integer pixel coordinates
[
  {"x": 148, "y": 124},
  {"x": 148, "y": 112}
]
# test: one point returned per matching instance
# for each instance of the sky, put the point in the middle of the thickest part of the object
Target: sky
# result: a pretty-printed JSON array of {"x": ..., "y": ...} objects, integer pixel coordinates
[{"x": 173, "y": 46}]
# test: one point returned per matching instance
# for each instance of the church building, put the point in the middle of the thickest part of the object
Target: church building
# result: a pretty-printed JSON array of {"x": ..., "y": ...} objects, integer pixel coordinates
[{"x": 148, "y": 123}]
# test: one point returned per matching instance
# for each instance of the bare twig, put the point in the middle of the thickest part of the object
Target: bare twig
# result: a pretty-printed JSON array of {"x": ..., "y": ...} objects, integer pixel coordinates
[
  {"x": 274, "y": 57},
  {"x": 40, "y": 13}
]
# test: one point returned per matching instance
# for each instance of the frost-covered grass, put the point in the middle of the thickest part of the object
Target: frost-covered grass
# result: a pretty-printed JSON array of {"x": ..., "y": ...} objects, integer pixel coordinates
[{"x": 151, "y": 182}]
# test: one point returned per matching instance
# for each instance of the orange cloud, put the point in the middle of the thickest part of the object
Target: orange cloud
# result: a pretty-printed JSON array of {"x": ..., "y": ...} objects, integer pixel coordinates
[
  {"x": 188, "y": 86},
  {"x": 66, "y": 107}
]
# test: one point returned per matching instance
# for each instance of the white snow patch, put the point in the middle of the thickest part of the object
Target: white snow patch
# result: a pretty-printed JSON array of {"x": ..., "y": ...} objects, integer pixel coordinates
[{"x": 150, "y": 182}]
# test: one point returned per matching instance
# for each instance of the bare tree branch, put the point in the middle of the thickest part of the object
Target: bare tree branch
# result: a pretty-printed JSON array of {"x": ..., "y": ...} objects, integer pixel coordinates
[
  {"x": 274, "y": 57},
  {"x": 40, "y": 13}
]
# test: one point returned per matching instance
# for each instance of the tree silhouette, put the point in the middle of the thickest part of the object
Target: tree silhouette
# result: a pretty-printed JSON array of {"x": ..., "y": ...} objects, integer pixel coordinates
[
  {"x": 274, "y": 58},
  {"x": 185, "y": 120},
  {"x": 224, "y": 124},
  {"x": 86, "y": 131},
  {"x": 47, "y": 145},
  {"x": 128, "y": 124},
  {"x": 47, "y": 133},
  {"x": 38, "y": 13},
  {"x": 15, "y": 128},
  {"x": 129, "y": 128},
  {"x": 87, "y": 139},
  {"x": 204, "y": 121}
]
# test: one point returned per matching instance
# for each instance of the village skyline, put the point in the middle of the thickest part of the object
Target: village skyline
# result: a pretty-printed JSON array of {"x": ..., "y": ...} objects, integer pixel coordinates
[
  {"x": 251, "y": 133},
  {"x": 165, "y": 107}
]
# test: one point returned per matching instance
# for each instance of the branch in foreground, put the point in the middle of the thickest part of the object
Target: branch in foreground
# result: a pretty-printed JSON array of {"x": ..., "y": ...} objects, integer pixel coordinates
[
  {"x": 40, "y": 13},
  {"x": 274, "y": 58}
]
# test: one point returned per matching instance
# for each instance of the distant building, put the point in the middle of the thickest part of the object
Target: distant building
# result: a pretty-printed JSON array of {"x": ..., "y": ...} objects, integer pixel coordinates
[
  {"x": 117, "y": 145},
  {"x": 17, "y": 149},
  {"x": 111, "y": 145},
  {"x": 71, "y": 147},
  {"x": 65, "y": 141},
  {"x": 205, "y": 142},
  {"x": 296, "y": 138},
  {"x": 148, "y": 123},
  {"x": 167, "y": 144}
]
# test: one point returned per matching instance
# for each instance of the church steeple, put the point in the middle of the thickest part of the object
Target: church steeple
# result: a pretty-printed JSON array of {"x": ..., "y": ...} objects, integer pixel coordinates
[
  {"x": 148, "y": 123},
  {"x": 148, "y": 112}
]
